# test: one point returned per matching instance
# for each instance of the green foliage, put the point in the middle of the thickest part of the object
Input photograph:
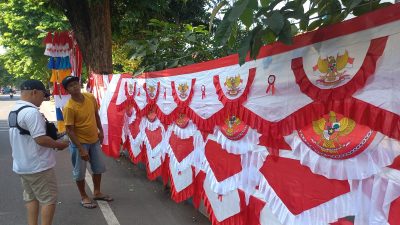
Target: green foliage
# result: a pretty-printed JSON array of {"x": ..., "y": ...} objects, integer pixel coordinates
[
  {"x": 167, "y": 45},
  {"x": 152, "y": 35},
  {"x": 23, "y": 24},
  {"x": 267, "y": 21},
  {"x": 159, "y": 34},
  {"x": 146, "y": 35}
]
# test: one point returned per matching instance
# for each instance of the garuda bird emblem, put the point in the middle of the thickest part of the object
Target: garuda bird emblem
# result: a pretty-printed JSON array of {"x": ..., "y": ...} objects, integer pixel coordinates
[
  {"x": 332, "y": 68},
  {"x": 232, "y": 84},
  {"x": 330, "y": 132},
  {"x": 130, "y": 89},
  {"x": 233, "y": 128},
  {"x": 151, "y": 89},
  {"x": 183, "y": 88}
]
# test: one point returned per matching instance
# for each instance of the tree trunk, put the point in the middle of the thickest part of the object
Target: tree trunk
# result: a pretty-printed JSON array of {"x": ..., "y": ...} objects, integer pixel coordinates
[{"x": 91, "y": 22}]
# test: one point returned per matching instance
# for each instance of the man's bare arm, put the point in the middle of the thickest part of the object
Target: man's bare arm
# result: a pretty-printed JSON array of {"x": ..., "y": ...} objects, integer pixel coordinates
[
  {"x": 98, "y": 123},
  {"x": 72, "y": 136},
  {"x": 48, "y": 142}
]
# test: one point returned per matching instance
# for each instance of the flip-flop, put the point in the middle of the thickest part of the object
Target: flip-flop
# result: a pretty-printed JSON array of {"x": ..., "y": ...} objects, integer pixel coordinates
[
  {"x": 103, "y": 198},
  {"x": 88, "y": 205}
]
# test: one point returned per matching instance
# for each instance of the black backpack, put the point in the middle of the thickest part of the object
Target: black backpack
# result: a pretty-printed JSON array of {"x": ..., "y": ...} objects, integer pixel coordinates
[{"x": 51, "y": 129}]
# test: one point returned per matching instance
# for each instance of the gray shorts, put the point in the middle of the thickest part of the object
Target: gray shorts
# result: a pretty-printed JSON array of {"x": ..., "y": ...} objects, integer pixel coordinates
[
  {"x": 41, "y": 186},
  {"x": 96, "y": 160}
]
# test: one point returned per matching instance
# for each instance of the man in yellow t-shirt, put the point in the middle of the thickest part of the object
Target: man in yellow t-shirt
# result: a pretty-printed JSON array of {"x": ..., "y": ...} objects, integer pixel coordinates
[{"x": 84, "y": 129}]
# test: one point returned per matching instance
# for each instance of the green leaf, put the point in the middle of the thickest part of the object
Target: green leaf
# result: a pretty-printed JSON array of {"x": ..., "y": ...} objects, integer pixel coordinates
[
  {"x": 290, "y": 5},
  {"x": 335, "y": 7},
  {"x": 257, "y": 42},
  {"x": 294, "y": 30},
  {"x": 214, "y": 13},
  {"x": 339, "y": 17},
  {"x": 274, "y": 3},
  {"x": 275, "y": 22},
  {"x": 314, "y": 25},
  {"x": 232, "y": 38},
  {"x": 269, "y": 36},
  {"x": 383, "y": 5},
  {"x": 247, "y": 17},
  {"x": 264, "y": 3},
  {"x": 353, "y": 4},
  {"x": 237, "y": 10},
  {"x": 304, "y": 22},
  {"x": 286, "y": 35},
  {"x": 244, "y": 48},
  {"x": 224, "y": 32},
  {"x": 173, "y": 64},
  {"x": 362, "y": 9}
]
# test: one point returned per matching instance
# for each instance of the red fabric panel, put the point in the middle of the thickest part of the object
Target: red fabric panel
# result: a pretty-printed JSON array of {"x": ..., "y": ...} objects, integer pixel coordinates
[
  {"x": 274, "y": 144},
  {"x": 115, "y": 124},
  {"x": 394, "y": 213},
  {"x": 297, "y": 187},
  {"x": 154, "y": 137},
  {"x": 253, "y": 211},
  {"x": 134, "y": 128},
  {"x": 181, "y": 147},
  {"x": 396, "y": 164},
  {"x": 198, "y": 188},
  {"x": 58, "y": 89},
  {"x": 342, "y": 221},
  {"x": 222, "y": 163}
]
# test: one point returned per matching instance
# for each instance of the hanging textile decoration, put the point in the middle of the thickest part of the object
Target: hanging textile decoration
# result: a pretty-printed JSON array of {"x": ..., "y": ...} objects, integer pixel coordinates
[
  {"x": 203, "y": 92},
  {"x": 65, "y": 59},
  {"x": 337, "y": 137},
  {"x": 271, "y": 84},
  {"x": 305, "y": 134},
  {"x": 234, "y": 128}
]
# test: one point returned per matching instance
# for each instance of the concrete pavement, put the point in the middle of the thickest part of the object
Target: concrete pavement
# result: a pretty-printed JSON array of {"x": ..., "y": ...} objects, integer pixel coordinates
[{"x": 137, "y": 200}]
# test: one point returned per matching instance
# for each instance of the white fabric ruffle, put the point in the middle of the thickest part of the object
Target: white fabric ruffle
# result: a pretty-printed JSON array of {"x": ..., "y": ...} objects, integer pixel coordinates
[
  {"x": 380, "y": 153},
  {"x": 182, "y": 133},
  {"x": 374, "y": 197},
  {"x": 244, "y": 145},
  {"x": 181, "y": 178},
  {"x": 224, "y": 206},
  {"x": 251, "y": 163}
]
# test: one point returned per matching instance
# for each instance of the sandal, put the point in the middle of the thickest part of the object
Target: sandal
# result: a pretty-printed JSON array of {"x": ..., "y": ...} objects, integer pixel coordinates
[
  {"x": 88, "y": 205},
  {"x": 103, "y": 198}
]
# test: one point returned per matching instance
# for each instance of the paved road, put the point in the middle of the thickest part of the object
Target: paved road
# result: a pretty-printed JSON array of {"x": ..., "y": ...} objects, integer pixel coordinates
[{"x": 137, "y": 200}]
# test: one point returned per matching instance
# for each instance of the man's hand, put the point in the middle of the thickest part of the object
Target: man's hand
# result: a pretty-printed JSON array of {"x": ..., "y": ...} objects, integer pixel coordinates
[
  {"x": 83, "y": 153},
  {"x": 62, "y": 144},
  {"x": 101, "y": 136}
]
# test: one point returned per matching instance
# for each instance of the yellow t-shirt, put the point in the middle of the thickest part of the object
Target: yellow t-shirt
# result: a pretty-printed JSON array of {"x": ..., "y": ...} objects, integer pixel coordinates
[{"x": 82, "y": 117}]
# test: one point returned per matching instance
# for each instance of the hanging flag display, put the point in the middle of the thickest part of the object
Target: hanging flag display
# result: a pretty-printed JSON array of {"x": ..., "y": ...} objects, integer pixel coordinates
[
  {"x": 65, "y": 60},
  {"x": 305, "y": 134}
]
